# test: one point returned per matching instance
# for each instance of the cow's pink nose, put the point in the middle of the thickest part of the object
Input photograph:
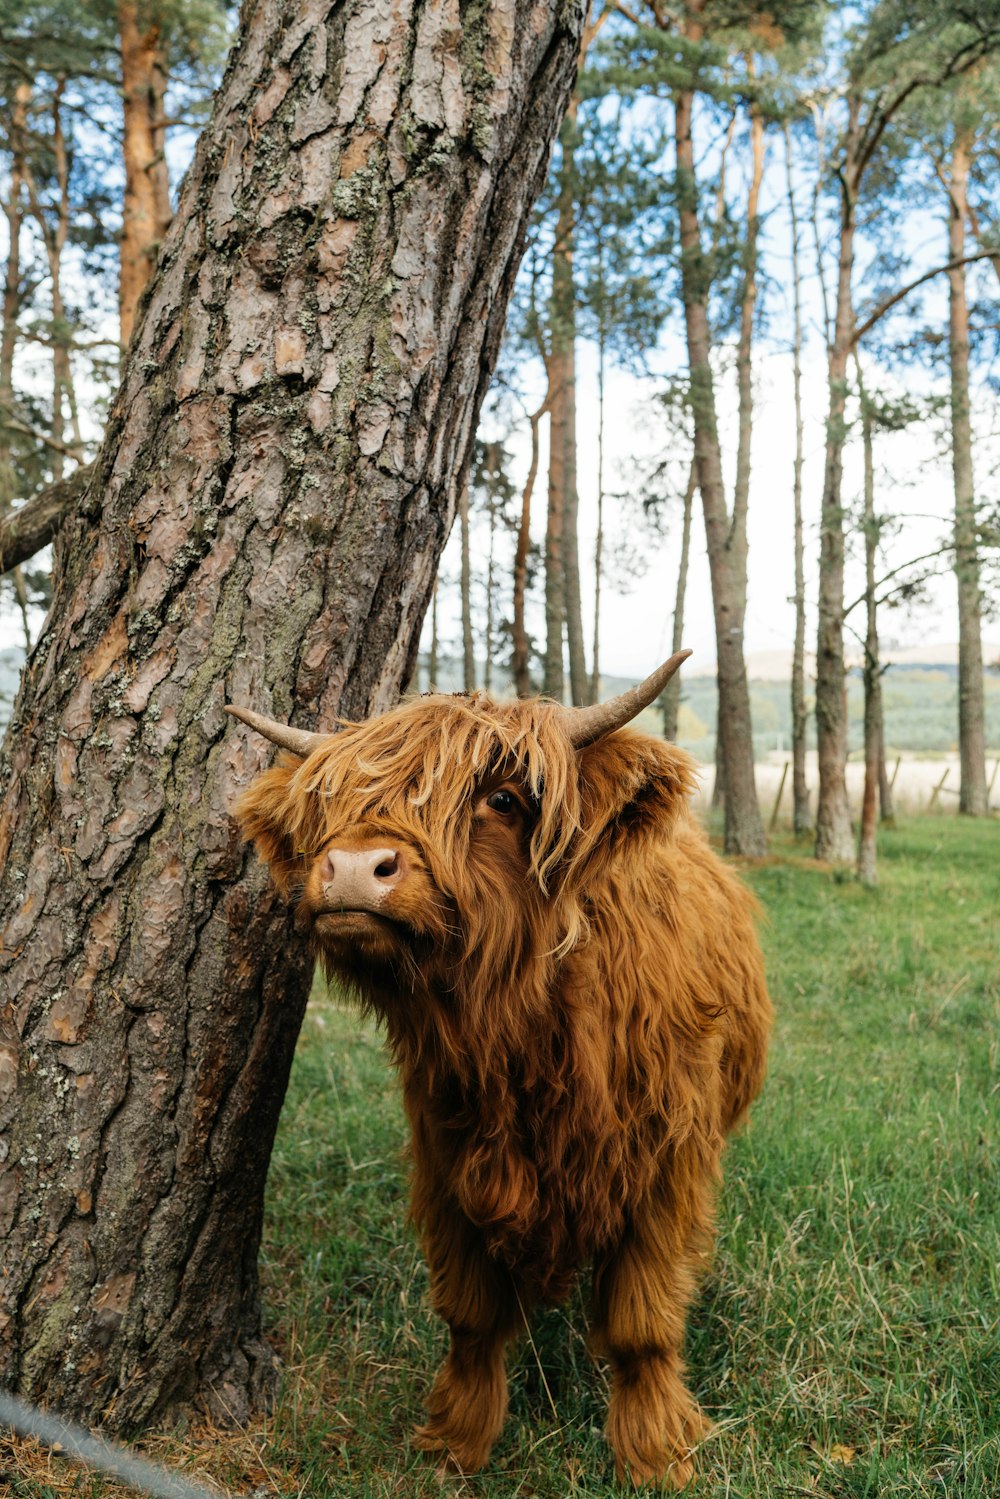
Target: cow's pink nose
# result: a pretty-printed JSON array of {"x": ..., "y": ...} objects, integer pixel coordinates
[{"x": 360, "y": 879}]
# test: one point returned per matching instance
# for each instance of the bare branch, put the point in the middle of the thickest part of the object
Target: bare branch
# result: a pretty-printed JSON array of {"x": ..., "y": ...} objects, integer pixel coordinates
[
  {"x": 962, "y": 61},
  {"x": 26, "y": 531},
  {"x": 910, "y": 562},
  {"x": 68, "y": 451},
  {"x": 904, "y": 291}
]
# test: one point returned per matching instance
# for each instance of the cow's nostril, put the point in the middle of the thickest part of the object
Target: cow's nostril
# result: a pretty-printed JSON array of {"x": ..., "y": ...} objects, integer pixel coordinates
[{"x": 388, "y": 867}]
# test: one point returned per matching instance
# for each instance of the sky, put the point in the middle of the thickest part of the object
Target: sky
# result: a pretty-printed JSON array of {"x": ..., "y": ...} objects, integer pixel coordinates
[{"x": 636, "y": 627}]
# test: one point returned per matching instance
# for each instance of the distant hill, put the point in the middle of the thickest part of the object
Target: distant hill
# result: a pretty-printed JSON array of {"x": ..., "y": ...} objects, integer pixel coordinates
[
  {"x": 776, "y": 666},
  {"x": 920, "y": 693},
  {"x": 920, "y": 698}
]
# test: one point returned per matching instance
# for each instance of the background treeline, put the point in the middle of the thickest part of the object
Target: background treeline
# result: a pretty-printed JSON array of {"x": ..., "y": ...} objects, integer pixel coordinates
[{"x": 732, "y": 185}]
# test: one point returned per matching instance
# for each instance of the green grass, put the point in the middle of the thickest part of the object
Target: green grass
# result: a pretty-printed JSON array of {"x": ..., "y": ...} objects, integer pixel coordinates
[{"x": 846, "y": 1343}]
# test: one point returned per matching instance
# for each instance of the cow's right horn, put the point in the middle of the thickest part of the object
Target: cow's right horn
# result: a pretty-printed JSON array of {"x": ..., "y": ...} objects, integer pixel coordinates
[
  {"x": 299, "y": 741},
  {"x": 585, "y": 725}
]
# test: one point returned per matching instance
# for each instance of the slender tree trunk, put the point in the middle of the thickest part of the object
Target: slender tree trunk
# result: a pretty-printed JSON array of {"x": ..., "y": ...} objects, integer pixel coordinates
[
  {"x": 887, "y": 813},
  {"x": 727, "y": 542},
  {"x": 801, "y": 821},
  {"x": 468, "y": 646},
  {"x": 432, "y": 663},
  {"x": 595, "y": 663},
  {"x": 63, "y": 396},
  {"x": 562, "y": 589},
  {"x": 867, "y": 839},
  {"x": 671, "y": 699},
  {"x": 14, "y": 214},
  {"x": 522, "y": 646},
  {"x": 553, "y": 670},
  {"x": 146, "y": 209},
  {"x": 55, "y": 235},
  {"x": 834, "y": 839},
  {"x": 748, "y": 305},
  {"x": 973, "y": 798},
  {"x": 269, "y": 505},
  {"x": 490, "y": 584}
]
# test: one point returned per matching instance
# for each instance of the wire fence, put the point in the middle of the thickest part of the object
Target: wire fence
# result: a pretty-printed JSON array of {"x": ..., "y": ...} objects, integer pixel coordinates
[{"x": 68, "y": 1440}]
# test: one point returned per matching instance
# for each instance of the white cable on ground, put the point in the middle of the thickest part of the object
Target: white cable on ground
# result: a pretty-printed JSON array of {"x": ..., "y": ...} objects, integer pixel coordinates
[{"x": 81, "y": 1446}]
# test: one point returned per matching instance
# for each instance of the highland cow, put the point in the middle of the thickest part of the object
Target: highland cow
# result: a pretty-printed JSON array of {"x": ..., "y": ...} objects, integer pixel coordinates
[{"x": 572, "y": 990}]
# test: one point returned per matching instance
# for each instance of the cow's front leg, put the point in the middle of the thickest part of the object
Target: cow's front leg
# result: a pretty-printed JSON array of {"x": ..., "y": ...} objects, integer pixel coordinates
[
  {"x": 477, "y": 1299},
  {"x": 641, "y": 1295}
]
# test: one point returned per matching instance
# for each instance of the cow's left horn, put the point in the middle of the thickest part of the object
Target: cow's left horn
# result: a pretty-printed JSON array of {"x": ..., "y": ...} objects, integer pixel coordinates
[
  {"x": 299, "y": 741},
  {"x": 584, "y": 725}
]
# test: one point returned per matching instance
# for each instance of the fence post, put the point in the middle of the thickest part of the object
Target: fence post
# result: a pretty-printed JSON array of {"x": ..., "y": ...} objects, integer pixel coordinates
[
  {"x": 937, "y": 790},
  {"x": 777, "y": 799}
]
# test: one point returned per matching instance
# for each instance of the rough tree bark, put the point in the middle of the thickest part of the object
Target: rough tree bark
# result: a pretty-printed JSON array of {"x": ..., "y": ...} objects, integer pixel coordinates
[
  {"x": 269, "y": 505},
  {"x": 726, "y": 536},
  {"x": 973, "y": 798},
  {"x": 146, "y": 207}
]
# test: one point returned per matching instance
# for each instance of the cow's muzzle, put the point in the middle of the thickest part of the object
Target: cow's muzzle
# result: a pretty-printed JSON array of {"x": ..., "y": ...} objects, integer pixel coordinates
[{"x": 360, "y": 879}]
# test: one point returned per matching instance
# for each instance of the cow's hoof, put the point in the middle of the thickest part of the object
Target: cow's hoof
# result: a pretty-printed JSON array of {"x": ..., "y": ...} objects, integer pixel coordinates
[
  {"x": 458, "y": 1459},
  {"x": 665, "y": 1477}
]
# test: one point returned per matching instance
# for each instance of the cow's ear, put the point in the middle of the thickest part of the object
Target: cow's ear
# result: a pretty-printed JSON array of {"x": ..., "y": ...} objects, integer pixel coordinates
[
  {"x": 631, "y": 786},
  {"x": 267, "y": 815}
]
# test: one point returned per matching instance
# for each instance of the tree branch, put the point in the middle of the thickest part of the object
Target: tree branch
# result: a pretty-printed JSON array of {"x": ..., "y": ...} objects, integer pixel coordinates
[
  {"x": 904, "y": 291},
  {"x": 26, "y": 531},
  {"x": 976, "y": 228},
  {"x": 894, "y": 572},
  {"x": 16, "y": 425},
  {"x": 965, "y": 58}
]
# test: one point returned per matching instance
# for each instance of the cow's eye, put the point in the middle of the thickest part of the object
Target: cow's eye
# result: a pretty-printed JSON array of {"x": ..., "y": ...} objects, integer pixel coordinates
[{"x": 502, "y": 802}]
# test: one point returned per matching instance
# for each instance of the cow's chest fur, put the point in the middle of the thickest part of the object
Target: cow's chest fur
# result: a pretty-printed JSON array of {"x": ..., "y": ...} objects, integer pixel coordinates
[{"x": 535, "y": 1166}]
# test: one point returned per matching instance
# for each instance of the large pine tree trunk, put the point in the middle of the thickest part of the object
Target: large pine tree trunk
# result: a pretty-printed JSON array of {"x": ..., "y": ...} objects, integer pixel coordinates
[
  {"x": 727, "y": 542},
  {"x": 833, "y": 814},
  {"x": 263, "y": 526},
  {"x": 973, "y": 797}
]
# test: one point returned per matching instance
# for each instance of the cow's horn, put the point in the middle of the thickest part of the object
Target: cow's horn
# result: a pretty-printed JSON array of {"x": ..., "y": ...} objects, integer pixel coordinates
[
  {"x": 299, "y": 741},
  {"x": 584, "y": 725}
]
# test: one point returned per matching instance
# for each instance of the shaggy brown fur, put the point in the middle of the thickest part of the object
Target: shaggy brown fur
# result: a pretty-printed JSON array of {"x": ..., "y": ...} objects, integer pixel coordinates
[{"x": 573, "y": 993}]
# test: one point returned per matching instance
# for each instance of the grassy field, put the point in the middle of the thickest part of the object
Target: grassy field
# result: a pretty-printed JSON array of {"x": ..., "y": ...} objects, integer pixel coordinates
[{"x": 847, "y": 1342}]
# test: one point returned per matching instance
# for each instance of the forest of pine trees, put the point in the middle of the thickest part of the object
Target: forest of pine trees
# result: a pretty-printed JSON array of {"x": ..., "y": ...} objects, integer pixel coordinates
[{"x": 732, "y": 190}]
